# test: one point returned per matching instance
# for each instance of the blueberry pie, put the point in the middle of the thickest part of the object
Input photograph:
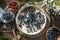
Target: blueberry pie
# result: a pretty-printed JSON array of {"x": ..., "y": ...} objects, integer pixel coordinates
[{"x": 30, "y": 20}]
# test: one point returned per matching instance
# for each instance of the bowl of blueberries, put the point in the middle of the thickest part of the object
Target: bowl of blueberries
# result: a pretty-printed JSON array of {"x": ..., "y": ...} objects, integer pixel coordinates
[
  {"x": 6, "y": 16},
  {"x": 53, "y": 33}
]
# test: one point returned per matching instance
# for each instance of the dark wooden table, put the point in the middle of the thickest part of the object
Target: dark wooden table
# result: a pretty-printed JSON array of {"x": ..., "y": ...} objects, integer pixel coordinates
[{"x": 43, "y": 37}]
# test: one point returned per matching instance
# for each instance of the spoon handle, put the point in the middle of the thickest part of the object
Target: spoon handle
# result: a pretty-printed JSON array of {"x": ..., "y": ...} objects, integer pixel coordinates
[
  {"x": 58, "y": 37},
  {"x": 15, "y": 38}
]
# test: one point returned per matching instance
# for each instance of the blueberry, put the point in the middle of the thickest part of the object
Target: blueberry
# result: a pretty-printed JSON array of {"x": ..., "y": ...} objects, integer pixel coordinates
[
  {"x": 32, "y": 16},
  {"x": 7, "y": 16},
  {"x": 20, "y": 17},
  {"x": 38, "y": 13},
  {"x": 31, "y": 9}
]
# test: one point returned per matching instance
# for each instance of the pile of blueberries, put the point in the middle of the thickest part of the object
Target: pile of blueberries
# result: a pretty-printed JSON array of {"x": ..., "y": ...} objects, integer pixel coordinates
[
  {"x": 7, "y": 16},
  {"x": 53, "y": 34},
  {"x": 32, "y": 16}
]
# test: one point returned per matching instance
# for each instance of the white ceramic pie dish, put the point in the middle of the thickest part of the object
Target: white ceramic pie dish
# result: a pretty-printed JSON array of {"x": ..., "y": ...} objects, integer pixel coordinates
[{"x": 40, "y": 31}]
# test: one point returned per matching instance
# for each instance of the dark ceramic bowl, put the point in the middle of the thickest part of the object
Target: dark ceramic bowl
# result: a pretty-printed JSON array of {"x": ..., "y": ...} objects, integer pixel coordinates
[{"x": 52, "y": 33}]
